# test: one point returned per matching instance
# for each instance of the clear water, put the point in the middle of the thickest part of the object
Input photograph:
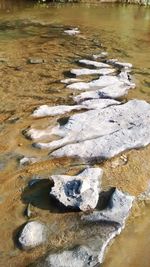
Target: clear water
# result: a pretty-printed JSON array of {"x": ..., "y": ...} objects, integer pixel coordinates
[{"x": 33, "y": 30}]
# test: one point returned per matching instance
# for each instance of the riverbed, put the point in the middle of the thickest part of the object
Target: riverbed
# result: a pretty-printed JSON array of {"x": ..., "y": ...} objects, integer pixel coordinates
[{"x": 37, "y": 31}]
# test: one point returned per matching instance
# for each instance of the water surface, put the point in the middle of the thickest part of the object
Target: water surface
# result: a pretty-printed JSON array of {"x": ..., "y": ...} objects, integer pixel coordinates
[{"x": 30, "y": 30}]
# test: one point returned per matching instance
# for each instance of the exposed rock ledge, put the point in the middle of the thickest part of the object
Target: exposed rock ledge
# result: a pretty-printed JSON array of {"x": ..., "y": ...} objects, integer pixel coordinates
[{"x": 102, "y": 133}]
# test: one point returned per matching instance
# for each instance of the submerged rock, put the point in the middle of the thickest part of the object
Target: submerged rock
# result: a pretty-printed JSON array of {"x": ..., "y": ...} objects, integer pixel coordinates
[
  {"x": 35, "y": 61},
  {"x": 27, "y": 160},
  {"x": 101, "y": 55},
  {"x": 33, "y": 234},
  {"x": 80, "y": 191}
]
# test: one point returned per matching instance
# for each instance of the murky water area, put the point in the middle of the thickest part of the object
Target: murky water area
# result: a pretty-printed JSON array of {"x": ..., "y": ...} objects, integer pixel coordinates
[{"x": 37, "y": 31}]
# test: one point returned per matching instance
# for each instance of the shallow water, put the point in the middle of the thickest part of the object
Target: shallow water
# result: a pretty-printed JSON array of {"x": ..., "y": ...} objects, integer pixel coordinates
[{"x": 29, "y": 30}]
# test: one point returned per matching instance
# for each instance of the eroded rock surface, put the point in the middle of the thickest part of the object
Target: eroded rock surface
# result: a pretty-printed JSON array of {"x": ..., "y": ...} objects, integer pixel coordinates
[
  {"x": 103, "y": 133},
  {"x": 117, "y": 210},
  {"x": 81, "y": 191},
  {"x": 101, "y": 226},
  {"x": 85, "y": 71},
  {"x": 46, "y": 110}
]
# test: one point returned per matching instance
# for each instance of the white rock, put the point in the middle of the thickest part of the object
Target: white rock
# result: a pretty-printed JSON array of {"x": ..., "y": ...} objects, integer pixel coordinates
[
  {"x": 104, "y": 133},
  {"x": 46, "y": 110},
  {"x": 117, "y": 63},
  {"x": 102, "y": 82},
  {"x": 80, "y": 191},
  {"x": 118, "y": 209},
  {"x": 33, "y": 234},
  {"x": 35, "y": 134},
  {"x": 114, "y": 91},
  {"x": 73, "y": 31},
  {"x": 103, "y": 71},
  {"x": 94, "y": 63}
]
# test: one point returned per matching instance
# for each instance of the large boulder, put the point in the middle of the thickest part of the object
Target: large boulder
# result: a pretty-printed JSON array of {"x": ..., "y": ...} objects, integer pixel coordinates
[{"x": 80, "y": 191}]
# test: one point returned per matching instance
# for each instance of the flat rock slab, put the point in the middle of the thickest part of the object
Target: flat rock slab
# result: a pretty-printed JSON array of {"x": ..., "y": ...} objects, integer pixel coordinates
[
  {"x": 117, "y": 63},
  {"x": 103, "y": 133},
  {"x": 116, "y": 91},
  {"x": 46, "y": 110},
  {"x": 81, "y": 191},
  {"x": 33, "y": 234},
  {"x": 102, "y": 71},
  {"x": 94, "y": 63},
  {"x": 123, "y": 79},
  {"x": 36, "y": 134}
]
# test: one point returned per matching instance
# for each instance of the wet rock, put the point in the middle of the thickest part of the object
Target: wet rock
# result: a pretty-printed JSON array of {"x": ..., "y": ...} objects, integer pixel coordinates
[
  {"x": 117, "y": 209},
  {"x": 33, "y": 234},
  {"x": 81, "y": 191},
  {"x": 35, "y": 61},
  {"x": 101, "y": 55},
  {"x": 102, "y": 71},
  {"x": 122, "y": 160},
  {"x": 27, "y": 160}
]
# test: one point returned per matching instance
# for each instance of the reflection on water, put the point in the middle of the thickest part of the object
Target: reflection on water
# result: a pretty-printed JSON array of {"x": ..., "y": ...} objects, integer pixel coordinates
[
  {"x": 37, "y": 31},
  {"x": 11, "y": 5}
]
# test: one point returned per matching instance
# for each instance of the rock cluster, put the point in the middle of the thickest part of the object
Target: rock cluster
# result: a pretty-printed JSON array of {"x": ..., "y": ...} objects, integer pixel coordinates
[{"x": 102, "y": 128}]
